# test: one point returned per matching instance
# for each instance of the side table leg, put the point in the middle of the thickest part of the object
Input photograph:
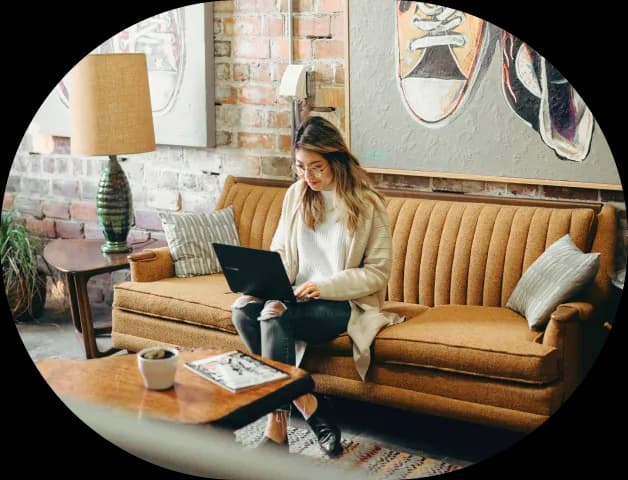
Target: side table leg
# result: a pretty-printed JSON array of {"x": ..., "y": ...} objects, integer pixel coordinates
[
  {"x": 86, "y": 320},
  {"x": 85, "y": 315},
  {"x": 74, "y": 308}
]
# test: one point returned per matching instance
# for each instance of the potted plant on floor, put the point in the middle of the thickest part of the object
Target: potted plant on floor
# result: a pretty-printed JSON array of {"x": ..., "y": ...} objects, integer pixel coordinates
[{"x": 24, "y": 283}]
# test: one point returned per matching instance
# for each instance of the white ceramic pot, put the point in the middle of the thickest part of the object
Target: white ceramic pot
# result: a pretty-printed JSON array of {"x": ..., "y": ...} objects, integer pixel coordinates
[{"x": 158, "y": 373}]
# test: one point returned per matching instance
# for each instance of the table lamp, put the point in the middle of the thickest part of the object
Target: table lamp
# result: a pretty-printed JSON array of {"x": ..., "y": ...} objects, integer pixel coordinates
[{"x": 111, "y": 114}]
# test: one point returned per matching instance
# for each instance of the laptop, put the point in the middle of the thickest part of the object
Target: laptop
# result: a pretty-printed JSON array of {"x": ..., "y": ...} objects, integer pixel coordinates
[{"x": 255, "y": 272}]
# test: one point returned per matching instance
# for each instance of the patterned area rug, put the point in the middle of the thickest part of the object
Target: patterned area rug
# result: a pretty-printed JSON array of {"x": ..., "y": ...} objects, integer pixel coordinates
[{"x": 380, "y": 462}]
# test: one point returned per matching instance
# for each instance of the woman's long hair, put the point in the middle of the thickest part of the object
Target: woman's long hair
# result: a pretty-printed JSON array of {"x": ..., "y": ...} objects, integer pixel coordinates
[{"x": 353, "y": 185}]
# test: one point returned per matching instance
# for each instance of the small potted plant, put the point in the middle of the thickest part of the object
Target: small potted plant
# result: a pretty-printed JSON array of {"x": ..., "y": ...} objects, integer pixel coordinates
[
  {"x": 158, "y": 366},
  {"x": 24, "y": 283}
]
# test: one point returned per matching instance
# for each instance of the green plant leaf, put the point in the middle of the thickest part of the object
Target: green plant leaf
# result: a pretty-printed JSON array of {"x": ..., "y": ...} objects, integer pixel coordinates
[{"x": 19, "y": 250}]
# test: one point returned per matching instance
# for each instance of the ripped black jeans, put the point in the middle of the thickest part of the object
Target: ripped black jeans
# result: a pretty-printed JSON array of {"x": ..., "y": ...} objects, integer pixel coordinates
[{"x": 270, "y": 328}]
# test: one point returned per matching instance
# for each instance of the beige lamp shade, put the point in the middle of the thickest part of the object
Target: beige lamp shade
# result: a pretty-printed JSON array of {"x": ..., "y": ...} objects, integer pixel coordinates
[{"x": 110, "y": 105}]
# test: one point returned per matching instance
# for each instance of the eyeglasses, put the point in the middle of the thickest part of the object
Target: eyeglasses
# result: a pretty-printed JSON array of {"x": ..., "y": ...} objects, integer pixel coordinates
[{"x": 314, "y": 171}]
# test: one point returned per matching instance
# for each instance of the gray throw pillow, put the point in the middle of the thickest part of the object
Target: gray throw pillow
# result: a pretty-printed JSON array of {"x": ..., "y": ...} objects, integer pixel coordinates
[
  {"x": 557, "y": 275},
  {"x": 190, "y": 235}
]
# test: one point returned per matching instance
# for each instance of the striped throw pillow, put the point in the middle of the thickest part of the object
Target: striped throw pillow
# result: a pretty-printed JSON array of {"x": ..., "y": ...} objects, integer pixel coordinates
[
  {"x": 553, "y": 278},
  {"x": 190, "y": 235}
]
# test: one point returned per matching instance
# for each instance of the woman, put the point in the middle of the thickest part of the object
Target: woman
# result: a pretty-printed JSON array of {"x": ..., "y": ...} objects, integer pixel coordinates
[{"x": 334, "y": 239}]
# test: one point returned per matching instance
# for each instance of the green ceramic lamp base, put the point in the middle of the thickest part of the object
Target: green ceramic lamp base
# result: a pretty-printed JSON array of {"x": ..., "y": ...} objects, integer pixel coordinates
[
  {"x": 114, "y": 208},
  {"x": 116, "y": 247}
]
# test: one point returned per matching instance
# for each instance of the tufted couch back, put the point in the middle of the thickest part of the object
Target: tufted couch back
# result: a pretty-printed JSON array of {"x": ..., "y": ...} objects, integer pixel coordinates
[
  {"x": 450, "y": 252},
  {"x": 472, "y": 253},
  {"x": 256, "y": 210}
]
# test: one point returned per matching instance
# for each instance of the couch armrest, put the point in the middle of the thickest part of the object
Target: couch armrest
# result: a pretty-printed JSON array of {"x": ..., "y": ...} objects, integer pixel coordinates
[
  {"x": 151, "y": 265},
  {"x": 564, "y": 332},
  {"x": 572, "y": 311},
  {"x": 565, "y": 315}
]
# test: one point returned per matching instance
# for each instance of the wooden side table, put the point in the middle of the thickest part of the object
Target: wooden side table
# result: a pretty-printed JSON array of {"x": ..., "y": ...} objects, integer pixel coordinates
[{"x": 78, "y": 260}]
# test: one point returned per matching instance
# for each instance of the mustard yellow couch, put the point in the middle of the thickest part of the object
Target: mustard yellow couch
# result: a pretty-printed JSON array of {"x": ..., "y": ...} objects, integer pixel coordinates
[{"x": 460, "y": 354}]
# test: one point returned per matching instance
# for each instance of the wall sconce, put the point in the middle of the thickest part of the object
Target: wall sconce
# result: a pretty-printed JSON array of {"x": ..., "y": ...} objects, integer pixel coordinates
[
  {"x": 111, "y": 114},
  {"x": 294, "y": 82},
  {"x": 294, "y": 85}
]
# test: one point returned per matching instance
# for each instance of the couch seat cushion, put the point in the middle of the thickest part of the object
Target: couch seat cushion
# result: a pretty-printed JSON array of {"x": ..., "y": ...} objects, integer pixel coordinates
[
  {"x": 477, "y": 340},
  {"x": 202, "y": 300},
  {"x": 341, "y": 345}
]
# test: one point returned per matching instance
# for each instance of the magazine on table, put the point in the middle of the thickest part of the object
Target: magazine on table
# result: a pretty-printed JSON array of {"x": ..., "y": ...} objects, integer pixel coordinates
[{"x": 235, "y": 370}]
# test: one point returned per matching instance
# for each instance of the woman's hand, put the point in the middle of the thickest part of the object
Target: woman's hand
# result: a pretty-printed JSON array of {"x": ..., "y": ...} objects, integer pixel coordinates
[{"x": 307, "y": 290}]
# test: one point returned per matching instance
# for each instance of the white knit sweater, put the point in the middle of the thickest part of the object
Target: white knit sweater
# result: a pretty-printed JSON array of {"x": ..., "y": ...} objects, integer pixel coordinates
[{"x": 325, "y": 247}]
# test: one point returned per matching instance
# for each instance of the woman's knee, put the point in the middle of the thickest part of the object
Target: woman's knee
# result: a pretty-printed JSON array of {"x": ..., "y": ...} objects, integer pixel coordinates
[
  {"x": 244, "y": 314},
  {"x": 272, "y": 309},
  {"x": 245, "y": 300},
  {"x": 273, "y": 322}
]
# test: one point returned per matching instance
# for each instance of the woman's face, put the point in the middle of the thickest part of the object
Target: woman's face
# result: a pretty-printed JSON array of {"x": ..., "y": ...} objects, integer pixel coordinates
[{"x": 314, "y": 169}]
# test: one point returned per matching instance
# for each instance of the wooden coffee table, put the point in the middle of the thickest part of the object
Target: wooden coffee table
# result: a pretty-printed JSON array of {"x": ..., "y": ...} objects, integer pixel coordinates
[{"x": 116, "y": 382}]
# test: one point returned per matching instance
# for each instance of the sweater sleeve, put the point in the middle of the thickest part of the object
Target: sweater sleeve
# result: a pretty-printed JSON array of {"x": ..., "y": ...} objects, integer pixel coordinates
[{"x": 374, "y": 272}]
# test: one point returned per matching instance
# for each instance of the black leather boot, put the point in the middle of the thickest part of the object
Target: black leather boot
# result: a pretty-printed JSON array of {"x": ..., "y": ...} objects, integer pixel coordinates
[{"x": 327, "y": 433}]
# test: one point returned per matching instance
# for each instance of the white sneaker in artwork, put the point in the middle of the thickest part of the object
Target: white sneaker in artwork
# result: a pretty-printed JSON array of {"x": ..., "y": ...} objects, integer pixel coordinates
[{"x": 440, "y": 58}]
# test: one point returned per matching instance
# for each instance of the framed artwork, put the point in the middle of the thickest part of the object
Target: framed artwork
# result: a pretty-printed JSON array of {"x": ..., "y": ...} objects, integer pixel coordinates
[
  {"x": 179, "y": 49},
  {"x": 434, "y": 91}
]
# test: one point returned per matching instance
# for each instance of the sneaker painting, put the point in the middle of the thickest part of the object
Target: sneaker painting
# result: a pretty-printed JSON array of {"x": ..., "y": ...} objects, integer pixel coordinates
[
  {"x": 441, "y": 54},
  {"x": 545, "y": 100},
  {"x": 521, "y": 67},
  {"x": 565, "y": 122}
]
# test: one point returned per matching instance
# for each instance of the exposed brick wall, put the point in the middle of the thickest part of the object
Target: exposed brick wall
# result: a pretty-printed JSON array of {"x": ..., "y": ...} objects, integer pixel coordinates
[
  {"x": 251, "y": 54},
  {"x": 55, "y": 192}
]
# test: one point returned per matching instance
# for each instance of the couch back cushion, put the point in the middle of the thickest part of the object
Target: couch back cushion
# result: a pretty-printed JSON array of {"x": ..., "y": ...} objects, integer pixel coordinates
[
  {"x": 256, "y": 210},
  {"x": 472, "y": 253},
  {"x": 443, "y": 252}
]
